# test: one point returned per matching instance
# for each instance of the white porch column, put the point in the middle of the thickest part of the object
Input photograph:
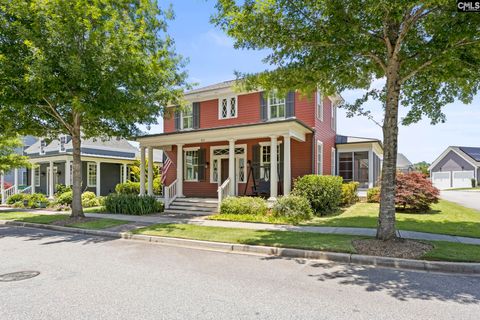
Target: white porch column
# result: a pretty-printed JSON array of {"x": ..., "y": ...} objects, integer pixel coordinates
[
  {"x": 287, "y": 168},
  {"x": 370, "y": 169},
  {"x": 125, "y": 172},
  {"x": 150, "y": 171},
  {"x": 231, "y": 166},
  {"x": 273, "y": 169},
  {"x": 2, "y": 187},
  {"x": 50, "y": 184},
  {"x": 142, "y": 171},
  {"x": 180, "y": 170},
  {"x": 15, "y": 180},
  {"x": 99, "y": 185},
  {"x": 67, "y": 173},
  {"x": 32, "y": 178}
]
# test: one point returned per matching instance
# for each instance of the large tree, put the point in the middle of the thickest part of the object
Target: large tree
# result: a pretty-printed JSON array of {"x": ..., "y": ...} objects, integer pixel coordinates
[
  {"x": 427, "y": 52},
  {"x": 10, "y": 153},
  {"x": 85, "y": 68}
]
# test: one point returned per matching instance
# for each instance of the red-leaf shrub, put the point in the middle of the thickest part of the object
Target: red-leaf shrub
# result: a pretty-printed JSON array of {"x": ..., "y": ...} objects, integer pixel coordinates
[{"x": 415, "y": 192}]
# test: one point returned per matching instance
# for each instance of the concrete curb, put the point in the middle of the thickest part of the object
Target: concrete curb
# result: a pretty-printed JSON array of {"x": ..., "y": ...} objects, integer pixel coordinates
[{"x": 396, "y": 263}]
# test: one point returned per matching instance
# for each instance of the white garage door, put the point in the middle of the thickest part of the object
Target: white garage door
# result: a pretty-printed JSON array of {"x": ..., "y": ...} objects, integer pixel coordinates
[
  {"x": 441, "y": 180},
  {"x": 463, "y": 179}
]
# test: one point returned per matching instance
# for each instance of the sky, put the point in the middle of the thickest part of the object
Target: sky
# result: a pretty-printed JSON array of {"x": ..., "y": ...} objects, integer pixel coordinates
[{"x": 212, "y": 59}]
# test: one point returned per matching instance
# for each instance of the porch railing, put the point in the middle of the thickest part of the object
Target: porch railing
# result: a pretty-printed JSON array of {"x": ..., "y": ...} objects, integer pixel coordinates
[
  {"x": 26, "y": 190},
  {"x": 7, "y": 193},
  {"x": 170, "y": 194},
  {"x": 223, "y": 192}
]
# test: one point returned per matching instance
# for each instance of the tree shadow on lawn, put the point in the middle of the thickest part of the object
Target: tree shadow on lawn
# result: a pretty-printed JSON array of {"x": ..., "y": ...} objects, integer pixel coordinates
[{"x": 49, "y": 236}]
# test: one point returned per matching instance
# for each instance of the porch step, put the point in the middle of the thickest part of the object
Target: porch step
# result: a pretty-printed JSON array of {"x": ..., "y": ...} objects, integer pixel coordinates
[{"x": 193, "y": 206}]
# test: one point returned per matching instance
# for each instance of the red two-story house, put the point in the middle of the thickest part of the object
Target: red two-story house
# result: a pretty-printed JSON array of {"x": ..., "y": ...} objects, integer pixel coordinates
[{"x": 224, "y": 142}]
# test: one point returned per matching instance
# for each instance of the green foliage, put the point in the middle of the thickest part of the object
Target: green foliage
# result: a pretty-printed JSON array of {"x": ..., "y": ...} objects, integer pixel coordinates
[
  {"x": 9, "y": 158},
  {"x": 37, "y": 200},
  {"x": 294, "y": 208},
  {"x": 128, "y": 188},
  {"x": 349, "y": 193},
  {"x": 61, "y": 189},
  {"x": 132, "y": 204},
  {"x": 244, "y": 205},
  {"x": 65, "y": 198},
  {"x": 89, "y": 199},
  {"x": 323, "y": 192},
  {"x": 157, "y": 185},
  {"x": 19, "y": 197},
  {"x": 422, "y": 167},
  {"x": 373, "y": 195}
]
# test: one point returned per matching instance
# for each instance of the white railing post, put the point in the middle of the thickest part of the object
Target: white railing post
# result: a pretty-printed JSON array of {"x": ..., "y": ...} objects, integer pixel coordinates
[
  {"x": 222, "y": 191},
  {"x": 170, "y": 194},
  {"x": 2, "y": 188}
]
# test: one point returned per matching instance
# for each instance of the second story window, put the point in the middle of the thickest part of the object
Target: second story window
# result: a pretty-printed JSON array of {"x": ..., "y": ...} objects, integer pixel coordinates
[
  {"x": 319, "y": 106},
  {"x": 227, "y": 107},
  {"x": 276, "y": 106},
  {"x": 43, "y": 144},
  {"x": 63, "y": 142},
  {"x": 334, "y": 117},
  {"x": 186, "y": 118}
]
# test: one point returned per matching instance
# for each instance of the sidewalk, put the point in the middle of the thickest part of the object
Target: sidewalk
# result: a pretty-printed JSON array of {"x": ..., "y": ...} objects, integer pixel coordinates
[{"x": 148, "y": 220}]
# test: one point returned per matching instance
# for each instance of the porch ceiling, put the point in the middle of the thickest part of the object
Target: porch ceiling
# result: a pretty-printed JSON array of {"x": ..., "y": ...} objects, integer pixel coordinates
[{"x": 296, "y": 129}]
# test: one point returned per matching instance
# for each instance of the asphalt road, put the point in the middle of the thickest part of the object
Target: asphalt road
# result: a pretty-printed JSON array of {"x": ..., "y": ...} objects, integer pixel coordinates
[
  {"x": 85, "y": 277},
  {"x": 469, "y": 199}
]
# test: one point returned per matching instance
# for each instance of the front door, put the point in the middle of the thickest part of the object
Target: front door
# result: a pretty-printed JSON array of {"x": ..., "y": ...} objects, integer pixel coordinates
[{"x": 224, "y": 168}]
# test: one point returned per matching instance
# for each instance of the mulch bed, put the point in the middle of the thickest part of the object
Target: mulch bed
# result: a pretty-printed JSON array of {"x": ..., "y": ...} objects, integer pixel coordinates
[
  {"x": 70, "y": 221},
  {"x": 397, "y": 248}
]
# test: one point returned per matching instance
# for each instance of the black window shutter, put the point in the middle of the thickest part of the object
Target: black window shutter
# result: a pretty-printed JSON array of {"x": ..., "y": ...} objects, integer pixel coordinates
[
  {"x": 263, "y": 106},
  {"x": 290, "y": 104},
  {"x": 177, "y": 120},
  {"x": 196, "y": 115},
  {"x": 201, "y": 164},
  {"x": 256, "y": 161}
]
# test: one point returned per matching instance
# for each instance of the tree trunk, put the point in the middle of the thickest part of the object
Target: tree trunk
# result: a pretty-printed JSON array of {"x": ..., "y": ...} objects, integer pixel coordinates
[
  {"x": 77, "y": 210},
  {"x": 386, "y": 219}
]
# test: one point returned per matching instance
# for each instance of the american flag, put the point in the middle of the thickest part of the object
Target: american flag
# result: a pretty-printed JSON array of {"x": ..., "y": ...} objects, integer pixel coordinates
[{"x": 165, "y": 167}]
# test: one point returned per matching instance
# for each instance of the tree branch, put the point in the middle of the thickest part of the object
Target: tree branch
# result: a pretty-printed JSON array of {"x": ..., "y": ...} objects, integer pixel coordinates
[
  {"x": 378, "y": 60},
  {"x": 58, "y": 116}
]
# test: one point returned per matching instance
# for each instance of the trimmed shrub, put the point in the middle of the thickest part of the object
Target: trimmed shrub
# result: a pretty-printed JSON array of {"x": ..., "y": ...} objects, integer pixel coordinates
[
  {"x": 323, "y": 192},
  {"x": 415, "y": 192},
  {"x": 19, "y": 197},
  {"x": 244, "y": 205},
  {"x": 294, "y": 208},
  {"x": 128, "y": 187},
  {"x": 373, "y": 195},
  {"x": 349, "y": 193},
  {"x": 37, "y": 200},
  {"x": 157, "y": 185},
  {"x": 65, "y": 198},
  {"x": 61, "y": 189},
  {"x": 132, "y": 204},
  {"x": 89, "y": 199}
]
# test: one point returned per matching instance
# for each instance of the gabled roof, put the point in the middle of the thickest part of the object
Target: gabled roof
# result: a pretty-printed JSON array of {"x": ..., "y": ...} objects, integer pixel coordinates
[
  {"x": 469, "y": 154},
  {"x": 402, "y": 161},
  {"x": 215, "y": 86},
  {"x": 340, "y": 139}
]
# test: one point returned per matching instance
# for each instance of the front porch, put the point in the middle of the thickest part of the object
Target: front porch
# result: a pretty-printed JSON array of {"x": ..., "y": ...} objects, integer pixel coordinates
[{"x": 230, "y": 161}]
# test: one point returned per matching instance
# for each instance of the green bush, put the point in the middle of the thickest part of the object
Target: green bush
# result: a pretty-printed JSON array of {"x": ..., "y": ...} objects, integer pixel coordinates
[
  {"x": 349, "y": 193},
  {"x": 244, "y": 205},
  {"x": 19, "y": 197},
  {"x": 61, "y": 189},
  {"x": 373, "y": 195},
  {"x": 89, "y": 199},
  {"x": 323, "y": 192},
  {"x": 37, "y": 200},
  {"x": 128, "y": 188},
  {"x": 157, "y": 185},
  {"x": 294, "y": 208},
  {"x": 65, "y": 198},
  {"x": 132, "y": 204}
]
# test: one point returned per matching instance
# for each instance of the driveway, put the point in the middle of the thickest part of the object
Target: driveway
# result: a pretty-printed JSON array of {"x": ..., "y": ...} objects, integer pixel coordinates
[
  {"x": 469, "y": 199},
  {"x": 85, "y": 277}
]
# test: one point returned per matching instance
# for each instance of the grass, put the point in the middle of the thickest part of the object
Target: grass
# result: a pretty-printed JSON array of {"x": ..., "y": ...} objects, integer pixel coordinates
[
  {"x": 50, "y": 218},
  {"x": 444, "y": 218},
  {"x": 443, "y": 251},
  {"x": 460, "y": 189}
]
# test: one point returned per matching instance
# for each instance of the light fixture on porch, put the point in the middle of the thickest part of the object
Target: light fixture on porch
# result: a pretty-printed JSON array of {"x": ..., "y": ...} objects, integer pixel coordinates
[
  {"x": 207, "y": 164},
  {"x": 43, "y": 173},
  {"x": 59, "y": 173}
]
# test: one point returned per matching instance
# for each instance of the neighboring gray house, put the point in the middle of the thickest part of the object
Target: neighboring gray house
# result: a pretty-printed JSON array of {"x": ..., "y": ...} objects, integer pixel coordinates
[
  {"x": 403, "y": 164},
  {"x": 20, "y": 173},
  {"x": 456, "y": 167}
]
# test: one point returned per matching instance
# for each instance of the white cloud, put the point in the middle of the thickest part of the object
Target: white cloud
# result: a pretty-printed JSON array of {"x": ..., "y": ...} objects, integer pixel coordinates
[{"x": 217, "y": 38}]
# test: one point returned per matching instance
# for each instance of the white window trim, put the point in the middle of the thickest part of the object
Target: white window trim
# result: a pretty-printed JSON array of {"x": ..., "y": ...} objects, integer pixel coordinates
[
  {"x": 333, "y": 123},
  {"x": 320, "y": 158},
  {"x": 37, "y": 176},
  {"x": 42, "y": 150},
  {"x": 64, "y": 144},
  {"x": 225, "y": 156},
  {"x": 229, "y": 107},
  {"x": 185, "y": 150},
  {"x": 121, "y": 173},
  {"x": 88, "y": 174},
  {"x": 319, "y": 105},
  {"x": 275, "y": 94},
  {"x": 181, "y": 119},
  {"x": 334, "y": 161}
]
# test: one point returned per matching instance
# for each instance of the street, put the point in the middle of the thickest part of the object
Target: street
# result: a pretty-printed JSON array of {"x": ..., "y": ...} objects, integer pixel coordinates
[
  {"x": 85, "y": 277},
  {"x": 469, "y": 199}
]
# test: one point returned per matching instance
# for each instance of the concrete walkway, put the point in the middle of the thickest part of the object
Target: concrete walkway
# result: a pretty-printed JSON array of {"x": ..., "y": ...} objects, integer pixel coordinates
[{"x": 140, "y": 221}]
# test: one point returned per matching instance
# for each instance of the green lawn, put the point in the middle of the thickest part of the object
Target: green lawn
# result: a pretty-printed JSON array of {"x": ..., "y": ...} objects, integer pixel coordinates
[
  {"x": 445, "y": 251},
  {"x": 445, "y": 217},
  {"x": 50, "y": 218}
]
